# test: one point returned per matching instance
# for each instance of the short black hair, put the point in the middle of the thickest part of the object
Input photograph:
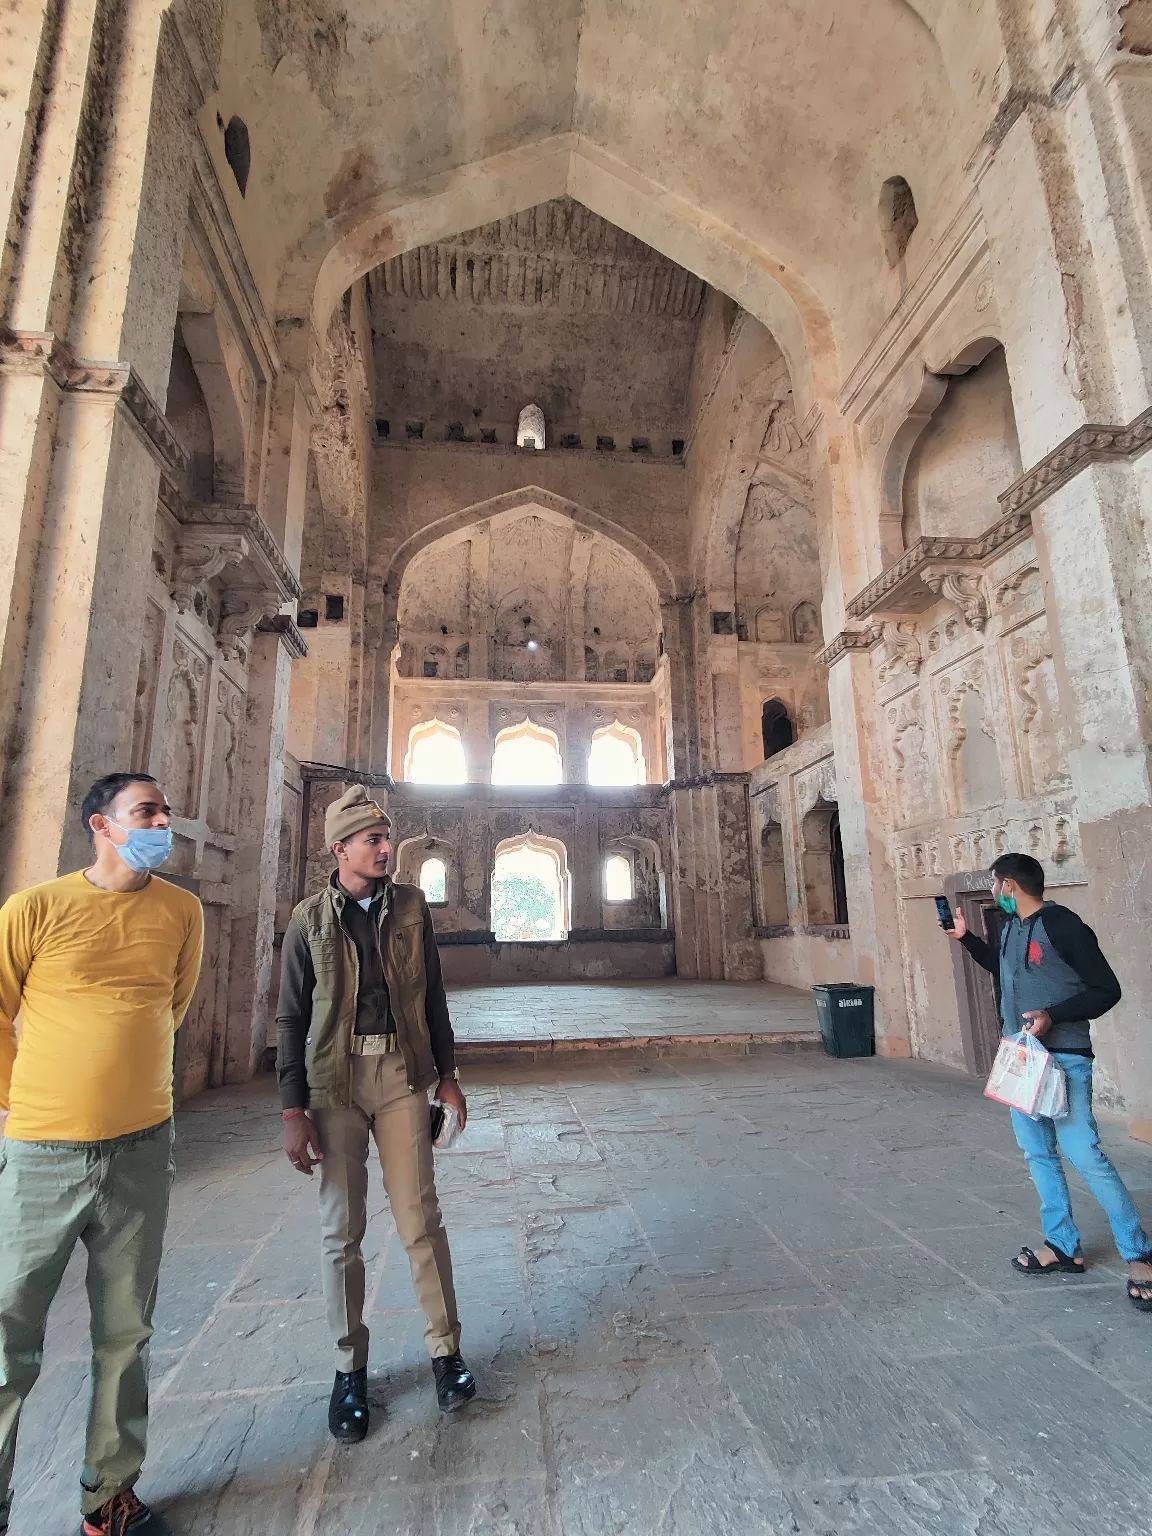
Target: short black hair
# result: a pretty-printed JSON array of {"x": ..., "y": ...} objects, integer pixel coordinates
[
  {"x": 104, "y": 792},
  {"x": 1027, "y": 872}
]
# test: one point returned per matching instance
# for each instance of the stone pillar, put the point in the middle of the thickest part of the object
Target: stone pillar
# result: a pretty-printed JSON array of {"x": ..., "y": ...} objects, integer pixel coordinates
[
  {"x": 257, "y": 855},
  {"x": 869, "y": 875},
  {"x": 262, "y": 765},
  {"x": 584, "y": 870},
  {"x": 95, "y": 275}
]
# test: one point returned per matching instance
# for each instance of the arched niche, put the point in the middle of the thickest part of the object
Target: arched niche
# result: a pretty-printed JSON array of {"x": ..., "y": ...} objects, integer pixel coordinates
[
  {"x": 647, "y": 907},
  {"x": 965, "y": 455}
]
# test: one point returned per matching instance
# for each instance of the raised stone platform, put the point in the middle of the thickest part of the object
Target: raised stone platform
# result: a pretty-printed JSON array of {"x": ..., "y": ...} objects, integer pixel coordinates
[
  {"x": 629, "y": 1021},
  {"x": 755, "y": 1298}
]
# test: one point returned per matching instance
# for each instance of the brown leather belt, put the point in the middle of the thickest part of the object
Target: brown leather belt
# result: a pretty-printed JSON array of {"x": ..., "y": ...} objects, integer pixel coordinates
[{"x": 373, "y": 1045}]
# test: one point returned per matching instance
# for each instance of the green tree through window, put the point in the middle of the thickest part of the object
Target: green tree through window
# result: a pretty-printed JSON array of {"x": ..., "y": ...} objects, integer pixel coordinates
[{"x": 523, "y": 908}]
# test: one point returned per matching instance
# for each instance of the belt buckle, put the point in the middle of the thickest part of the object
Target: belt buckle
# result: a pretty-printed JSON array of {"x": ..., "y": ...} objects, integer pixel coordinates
[{"x": 376, "y": 1045}]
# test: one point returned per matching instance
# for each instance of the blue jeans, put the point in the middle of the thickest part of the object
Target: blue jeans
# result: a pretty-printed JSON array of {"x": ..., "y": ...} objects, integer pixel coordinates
[{"x": 1077, "y": 1136}]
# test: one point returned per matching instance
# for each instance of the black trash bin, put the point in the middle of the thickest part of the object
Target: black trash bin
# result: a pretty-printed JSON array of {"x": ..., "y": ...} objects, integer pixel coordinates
[{"x": 846, "y": 1019}]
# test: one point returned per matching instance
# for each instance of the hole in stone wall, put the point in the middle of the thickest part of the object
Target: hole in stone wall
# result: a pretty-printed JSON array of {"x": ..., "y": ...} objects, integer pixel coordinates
[
  {"x": 606, "y": 444},
  {"x": 723, "y": 623},
  {"x": 641, "y": 445},
  {"x": 307, "y": 618},
  {"x": 776, "y": 727},
  {"x": 488, "y": 434},
  {"x": 898, "y": 218},
  {"x": 382, "y": 427},
  {"x": 238, "y": 151},
  {"x": 570, "y": 440},
  {"x": 431, "y": 669},
  {"x": 333, "y": 607},
  {"x": 414, "y": 428},
  {"x": 677, "y": 446}
]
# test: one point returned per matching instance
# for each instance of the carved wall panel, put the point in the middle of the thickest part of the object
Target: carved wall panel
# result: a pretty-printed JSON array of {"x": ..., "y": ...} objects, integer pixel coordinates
[
  {"x": 969, "y": 736},
  {"x": 915, "y": 777},
  {"x": 185, "y": 713},
  {"x": 144, "y": 715},
  {"x": 1038, "y": 728},
  {"x": 225, "y": 756}
]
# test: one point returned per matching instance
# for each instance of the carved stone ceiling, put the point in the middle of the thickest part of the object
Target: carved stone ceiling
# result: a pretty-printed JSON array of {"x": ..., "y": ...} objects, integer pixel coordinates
[{"x": 553, "y": 306}]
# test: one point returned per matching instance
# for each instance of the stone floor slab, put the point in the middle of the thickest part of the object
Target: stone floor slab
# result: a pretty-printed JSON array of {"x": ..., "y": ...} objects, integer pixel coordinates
[{"x": 769, "y": 1297}]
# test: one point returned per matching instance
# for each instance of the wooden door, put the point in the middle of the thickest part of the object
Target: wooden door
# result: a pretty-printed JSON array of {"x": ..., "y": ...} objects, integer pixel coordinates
[{"x": 982, "y": 1024}]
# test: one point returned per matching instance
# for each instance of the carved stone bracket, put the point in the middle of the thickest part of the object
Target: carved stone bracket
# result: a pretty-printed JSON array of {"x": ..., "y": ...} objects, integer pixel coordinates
[
  {"x": 964, "y": 588},
  {"x": 291, "y": 638},
  {"x": 232, "y": 546},
  {"x": 198, "y": 561}
]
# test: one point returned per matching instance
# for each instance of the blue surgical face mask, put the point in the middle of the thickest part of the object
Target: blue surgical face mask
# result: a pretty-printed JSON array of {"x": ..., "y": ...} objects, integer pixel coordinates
[
  {"x": 1007, "y": 904},
  {"x": 146, "y": 848}
]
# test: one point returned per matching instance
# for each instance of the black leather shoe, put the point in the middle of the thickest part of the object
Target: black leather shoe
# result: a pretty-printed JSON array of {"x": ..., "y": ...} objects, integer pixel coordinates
[
  {"x": 455, "y": 1383},
  {"x": 348, "y": 1410}
]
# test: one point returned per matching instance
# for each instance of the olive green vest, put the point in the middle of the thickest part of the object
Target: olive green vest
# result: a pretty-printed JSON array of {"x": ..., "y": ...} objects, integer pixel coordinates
[{"x": 328, "y": 1048}]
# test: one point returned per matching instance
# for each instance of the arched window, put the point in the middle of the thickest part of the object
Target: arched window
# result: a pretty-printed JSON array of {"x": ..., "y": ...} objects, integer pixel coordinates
[
  {"x": 433, "y": 881},
  {"x": 530, "y": 428},
  {"x": 618, "y": 883},
  {"x": 616, "y": 757},
  {"x": 530, "y": 890},
  {"x": 435, "y": 755},
  {"x": 776, "y": 727},
  {"x": 527, "y": 754}
]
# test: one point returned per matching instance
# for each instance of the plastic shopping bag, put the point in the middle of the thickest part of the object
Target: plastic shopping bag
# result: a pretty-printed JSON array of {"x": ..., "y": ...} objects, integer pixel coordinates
[
  {"x": 1053, "y": 1100},
  {"x": 1020, "y": 1073}
]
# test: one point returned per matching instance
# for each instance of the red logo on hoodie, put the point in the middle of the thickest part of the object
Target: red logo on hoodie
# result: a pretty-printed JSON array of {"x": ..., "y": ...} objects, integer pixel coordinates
[{"x": 1035, "y": 953}]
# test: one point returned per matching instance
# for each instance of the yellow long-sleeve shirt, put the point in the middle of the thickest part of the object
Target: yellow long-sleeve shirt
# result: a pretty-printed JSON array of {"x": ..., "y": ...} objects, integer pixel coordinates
[{"x": 102, "y": 980}]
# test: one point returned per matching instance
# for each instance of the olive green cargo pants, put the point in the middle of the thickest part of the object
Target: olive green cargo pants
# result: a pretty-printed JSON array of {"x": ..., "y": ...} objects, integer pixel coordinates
[{"x": 113, "y": 1197}]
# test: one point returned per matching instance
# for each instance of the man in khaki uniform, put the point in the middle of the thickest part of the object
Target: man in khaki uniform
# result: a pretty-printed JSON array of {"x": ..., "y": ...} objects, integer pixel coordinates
[{"x": 363, "y": 1033}]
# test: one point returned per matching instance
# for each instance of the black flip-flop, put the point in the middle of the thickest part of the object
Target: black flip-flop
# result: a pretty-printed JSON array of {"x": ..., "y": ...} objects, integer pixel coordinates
[
  {"x": 1026, "y": 1263},
  {"x": 1136, "y": 1286}
]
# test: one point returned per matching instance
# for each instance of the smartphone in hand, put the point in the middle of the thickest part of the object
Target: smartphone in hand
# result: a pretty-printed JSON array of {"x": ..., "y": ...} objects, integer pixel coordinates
[{"x": 944, "y": 913}]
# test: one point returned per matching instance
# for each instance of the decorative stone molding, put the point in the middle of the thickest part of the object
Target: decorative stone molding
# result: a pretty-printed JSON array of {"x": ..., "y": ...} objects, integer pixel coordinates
[
  {"x": 903, "y": 586},
  {"x": 233, "y": 546},
  {"x": 280, "y": 624},
  {"x": 42, "y": 352},
  {"x": 964, "y": 588},
  {"x": 242, "y": 517},
  {"x": 849, "y": 640},
  {"x": 1087, "y": 445}
]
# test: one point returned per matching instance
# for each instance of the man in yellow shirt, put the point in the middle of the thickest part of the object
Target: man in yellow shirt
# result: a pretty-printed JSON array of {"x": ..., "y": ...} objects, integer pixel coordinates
[{"x": 101, "y": 966}]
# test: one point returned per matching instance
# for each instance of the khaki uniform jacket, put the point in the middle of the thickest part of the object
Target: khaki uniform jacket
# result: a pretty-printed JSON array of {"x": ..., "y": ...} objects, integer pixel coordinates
[{"x": 319, "y": 1027}]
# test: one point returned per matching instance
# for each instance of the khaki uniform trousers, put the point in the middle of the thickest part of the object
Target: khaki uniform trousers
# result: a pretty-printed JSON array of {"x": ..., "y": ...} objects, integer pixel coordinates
[
  {"x": 399, "y": 1121},
  {"x": 113, "y": 1197}
]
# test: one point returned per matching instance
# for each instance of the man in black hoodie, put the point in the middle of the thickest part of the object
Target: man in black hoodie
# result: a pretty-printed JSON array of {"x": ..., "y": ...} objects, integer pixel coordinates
[{"x": 1053, "y": 981}]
